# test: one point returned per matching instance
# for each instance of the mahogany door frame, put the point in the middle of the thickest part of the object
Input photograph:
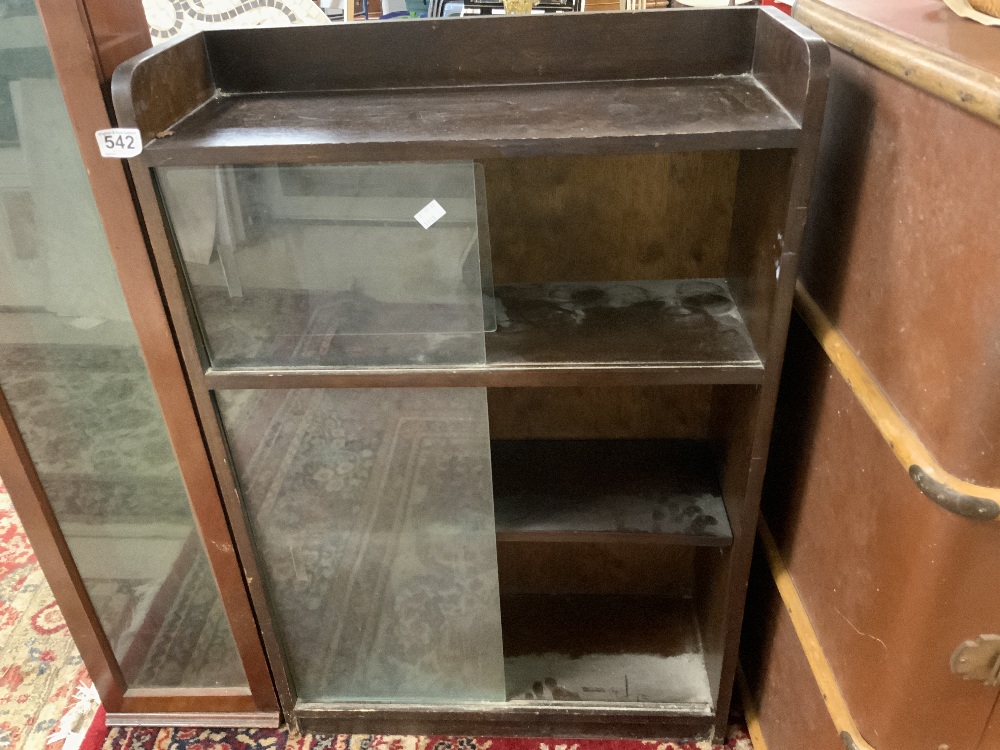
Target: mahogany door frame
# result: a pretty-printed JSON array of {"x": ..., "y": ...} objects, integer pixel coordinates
[{"x": 86, "y": 41}]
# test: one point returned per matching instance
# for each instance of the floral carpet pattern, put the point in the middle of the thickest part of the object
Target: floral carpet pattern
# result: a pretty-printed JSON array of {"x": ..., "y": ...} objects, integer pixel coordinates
[
  {"x": 279, "y": 739},
  {"x": 40, "y": 668}
]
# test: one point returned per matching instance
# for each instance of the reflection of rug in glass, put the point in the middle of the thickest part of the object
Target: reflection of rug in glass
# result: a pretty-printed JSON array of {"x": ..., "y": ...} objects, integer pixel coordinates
[
  {"x": 95, "y": 433},
  {"x": 191, "y": 640},
  {"x": 372, "y": 513},
  {"x": 172, "y": 631},
  {"x": 337, "y": 329},
  {"x": 96, "y": 436}
]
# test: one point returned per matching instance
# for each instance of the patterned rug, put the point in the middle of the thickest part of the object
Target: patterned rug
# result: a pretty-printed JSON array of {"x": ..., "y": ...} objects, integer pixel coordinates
[
  {"x": 123, "y": 738},
  {"x": 40, "y": 670}
]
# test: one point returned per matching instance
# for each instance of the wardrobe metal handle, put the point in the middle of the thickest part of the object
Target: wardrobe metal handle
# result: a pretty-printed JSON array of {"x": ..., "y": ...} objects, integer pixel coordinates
[{"x": 959, "y": 503}]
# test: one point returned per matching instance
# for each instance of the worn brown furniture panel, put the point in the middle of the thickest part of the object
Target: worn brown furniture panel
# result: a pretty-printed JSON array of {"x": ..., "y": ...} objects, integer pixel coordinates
[
  {"x": 557, "y": 218},
  {"x": 991, "y": 737},
  {"x": 595, "y": 568},
  {"x": 581, "y": 413},
  {"x": 313, "y": 97},
  {"x": 926, "y": 23},
  {"x": 791, "y": 710},
  {"x": 903, "y": 257},
  {"x": 892, "y": 582},
  {"x": 900, "y": 256}
]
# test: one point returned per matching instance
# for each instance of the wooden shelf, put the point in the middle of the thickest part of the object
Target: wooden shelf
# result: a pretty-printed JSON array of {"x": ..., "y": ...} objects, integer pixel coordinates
[
  {"x": 488, "y": 87},
  {"x": 643, "y": 332},
  {"x": 476, "y": 122},
  {"x": 604, "y": 649},
  {"x": 654, "y": 491},
  {"x": 685, "y": 323}
]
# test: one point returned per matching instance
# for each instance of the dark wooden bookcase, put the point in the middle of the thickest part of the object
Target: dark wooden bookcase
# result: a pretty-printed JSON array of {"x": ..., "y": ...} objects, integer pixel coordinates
[{"x": 640, "y": 187}]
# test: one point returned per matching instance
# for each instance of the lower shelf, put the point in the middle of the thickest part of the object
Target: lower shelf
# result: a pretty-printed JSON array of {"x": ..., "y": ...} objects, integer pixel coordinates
[
  {"x": 605, "y": 649},
  {"x": 576, "y": 666},
  {"x": 510, "y": 719},
  {"x": 659, "y": 491}
]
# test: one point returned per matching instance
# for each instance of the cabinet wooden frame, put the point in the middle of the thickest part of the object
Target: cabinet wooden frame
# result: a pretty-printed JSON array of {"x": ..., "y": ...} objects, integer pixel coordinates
[
  {"x": 758, "y": 46},
  {"x": 81, "y": 58}
]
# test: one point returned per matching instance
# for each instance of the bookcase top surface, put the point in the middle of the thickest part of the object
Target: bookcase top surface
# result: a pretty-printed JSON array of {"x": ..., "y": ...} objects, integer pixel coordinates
[{"x": 472, "y": 88}]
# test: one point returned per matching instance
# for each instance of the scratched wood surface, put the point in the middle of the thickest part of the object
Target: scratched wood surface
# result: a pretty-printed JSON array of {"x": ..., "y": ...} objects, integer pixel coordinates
[
  {"x": 624, "y": 491},
  {"x": 616, "y": 412},
  {"x": 620, "y": 217},
  {"x": 589, "y": 567}
]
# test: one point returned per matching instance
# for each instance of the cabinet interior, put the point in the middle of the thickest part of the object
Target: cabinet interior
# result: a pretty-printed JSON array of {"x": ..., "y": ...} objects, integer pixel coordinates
[
  {"x": 600, "y": 522},
  {"x": 611, "y": 509},
  {"x": 609, "y": 499}
]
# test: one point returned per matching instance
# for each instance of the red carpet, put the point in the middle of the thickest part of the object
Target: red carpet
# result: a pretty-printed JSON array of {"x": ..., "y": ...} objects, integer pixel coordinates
[
  {"x": 40, "y": 669},
  {"x": 98, "y": 732}
]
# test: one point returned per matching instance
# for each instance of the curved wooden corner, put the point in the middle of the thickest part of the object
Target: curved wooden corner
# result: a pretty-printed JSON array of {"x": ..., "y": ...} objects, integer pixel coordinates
[
  {"x": 840, "y": 714},
  {"x": 148, "y": 95},
  {"x": 964, "y": 85},
  {"x": 972, "y": 501}
]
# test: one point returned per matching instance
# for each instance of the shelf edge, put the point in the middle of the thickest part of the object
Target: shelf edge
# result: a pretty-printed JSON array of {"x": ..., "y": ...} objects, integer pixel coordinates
[
  {"x": 162, "y": 153},
  {"x": 509, "y": 376},
  {"x": 612, "y": 537}
]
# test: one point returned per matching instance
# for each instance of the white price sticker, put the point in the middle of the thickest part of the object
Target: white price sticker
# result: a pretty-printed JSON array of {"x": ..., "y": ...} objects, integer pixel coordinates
[
  {"x": 119, "y": 143},
  {"x": 429, "y": 214}
]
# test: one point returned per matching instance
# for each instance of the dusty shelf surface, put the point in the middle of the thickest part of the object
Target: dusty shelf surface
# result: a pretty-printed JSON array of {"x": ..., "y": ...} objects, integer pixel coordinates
[
  {"x": 677, "y": 330},
  {"x": 462, "y": 122},
  {"x": 621, "y": 491},
  {"x": 604, "y": 649}
]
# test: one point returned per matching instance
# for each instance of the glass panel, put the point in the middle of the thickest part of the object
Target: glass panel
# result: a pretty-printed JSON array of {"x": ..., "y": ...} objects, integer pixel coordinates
[
  {"x": 373, "y": 516},
  {"x": 72, "y": 372},
  {"x": 334, "y": 266}
]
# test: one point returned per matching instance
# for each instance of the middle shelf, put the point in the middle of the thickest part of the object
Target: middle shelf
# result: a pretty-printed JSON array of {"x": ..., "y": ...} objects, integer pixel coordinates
[{"x": 581, "y": 333}]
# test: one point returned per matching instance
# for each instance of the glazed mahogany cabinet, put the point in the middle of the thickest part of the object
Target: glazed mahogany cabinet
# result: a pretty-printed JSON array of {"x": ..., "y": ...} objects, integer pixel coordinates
[{"x": 100, "y": 447}]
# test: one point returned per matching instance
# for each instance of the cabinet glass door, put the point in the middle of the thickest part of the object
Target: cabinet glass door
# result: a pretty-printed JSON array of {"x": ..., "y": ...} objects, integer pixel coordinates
[
  {"x": 334, "y": 265},
  {"x": 372, "y": 513},
  {"x": 72, "y": 372}
]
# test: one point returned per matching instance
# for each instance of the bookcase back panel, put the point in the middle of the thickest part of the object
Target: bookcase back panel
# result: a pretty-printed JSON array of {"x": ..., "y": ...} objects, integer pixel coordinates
[
  {"x": 616, "y": 218},
  {"x": 594, "y": 568},
  {"x": 587, "y": 413}
]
